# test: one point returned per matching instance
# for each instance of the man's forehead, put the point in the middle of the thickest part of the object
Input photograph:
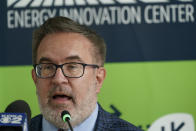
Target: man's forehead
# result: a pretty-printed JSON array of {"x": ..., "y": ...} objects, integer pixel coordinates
[
  {"x": 66, "y": 47},
  {"x": 67, "y": 38}
]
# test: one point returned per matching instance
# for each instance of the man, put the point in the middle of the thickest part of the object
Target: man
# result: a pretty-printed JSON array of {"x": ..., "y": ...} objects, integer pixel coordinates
[{"x": 68, "y": 73}]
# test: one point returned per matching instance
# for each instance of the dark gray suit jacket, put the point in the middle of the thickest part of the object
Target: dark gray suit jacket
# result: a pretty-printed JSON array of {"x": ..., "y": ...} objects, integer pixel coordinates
[{"x": 105, "y": 122}]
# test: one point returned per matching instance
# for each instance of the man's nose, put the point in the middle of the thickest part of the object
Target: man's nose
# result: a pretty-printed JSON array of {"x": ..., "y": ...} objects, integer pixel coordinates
[{"x": 59, "y": 77}]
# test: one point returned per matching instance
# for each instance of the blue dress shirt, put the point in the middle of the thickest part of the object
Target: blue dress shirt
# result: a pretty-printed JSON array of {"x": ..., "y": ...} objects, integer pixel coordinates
[{"x": 87, "y": 125}]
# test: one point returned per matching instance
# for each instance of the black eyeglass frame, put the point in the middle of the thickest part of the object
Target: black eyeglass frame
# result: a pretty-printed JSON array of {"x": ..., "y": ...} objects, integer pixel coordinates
[{"x": 61, "y": 66}]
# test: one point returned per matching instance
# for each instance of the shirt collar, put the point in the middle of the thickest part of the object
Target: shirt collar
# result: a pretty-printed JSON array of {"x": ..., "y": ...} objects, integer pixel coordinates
[{"x": 87, "y": 125}]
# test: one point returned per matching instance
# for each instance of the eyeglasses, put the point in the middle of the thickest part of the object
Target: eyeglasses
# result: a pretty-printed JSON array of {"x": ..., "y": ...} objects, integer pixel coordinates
[{"x": 71, "y": 70}]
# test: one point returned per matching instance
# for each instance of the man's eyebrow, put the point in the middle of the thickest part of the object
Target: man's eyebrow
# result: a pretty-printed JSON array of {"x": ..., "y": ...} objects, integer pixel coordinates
[
  {"x": 74, "y": 57},
  {"x": 44, "y": 59}
]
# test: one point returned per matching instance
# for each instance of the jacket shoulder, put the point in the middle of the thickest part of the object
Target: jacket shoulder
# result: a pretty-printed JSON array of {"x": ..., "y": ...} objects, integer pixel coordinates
[
  {"x": 110, "y": 122},
  {"x": 36, "y": 123}
]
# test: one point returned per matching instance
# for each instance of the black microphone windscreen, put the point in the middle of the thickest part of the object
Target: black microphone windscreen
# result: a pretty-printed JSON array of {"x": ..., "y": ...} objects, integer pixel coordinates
[
  {"x": 19, "y": 106},
  {"x": 65, "y": 114}
]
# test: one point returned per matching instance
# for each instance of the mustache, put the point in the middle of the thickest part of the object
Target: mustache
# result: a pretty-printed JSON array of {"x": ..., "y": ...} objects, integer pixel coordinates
[{"x": 60, "y": 90}]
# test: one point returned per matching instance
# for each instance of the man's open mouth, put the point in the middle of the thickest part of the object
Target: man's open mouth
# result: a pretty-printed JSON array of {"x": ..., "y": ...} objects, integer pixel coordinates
[{"x": 61, "y": 96}]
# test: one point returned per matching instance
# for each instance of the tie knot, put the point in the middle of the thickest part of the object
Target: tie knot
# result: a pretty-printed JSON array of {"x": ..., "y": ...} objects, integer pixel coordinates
[{"x": 60, "y": 130}]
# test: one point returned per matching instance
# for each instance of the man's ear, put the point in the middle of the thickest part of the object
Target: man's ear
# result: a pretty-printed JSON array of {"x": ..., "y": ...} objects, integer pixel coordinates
[
  {"x": 101, "y": 74},
  {"x": 34, "y": 77}
]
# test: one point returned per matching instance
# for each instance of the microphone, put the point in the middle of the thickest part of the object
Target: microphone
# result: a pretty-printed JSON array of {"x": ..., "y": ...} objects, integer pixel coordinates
[
  {"x": 66, "y": 117},
  {"x": 16, "y": 117},
  {"x": 19, "y": 106}
]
